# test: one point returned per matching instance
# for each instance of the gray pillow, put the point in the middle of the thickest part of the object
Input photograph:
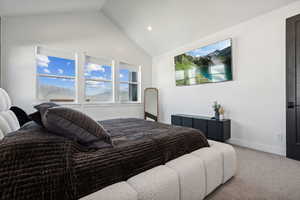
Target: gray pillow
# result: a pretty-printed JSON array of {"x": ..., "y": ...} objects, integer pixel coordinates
[
  {"x": 77, "y": 126},
  {"x": 41, "y": 109}
]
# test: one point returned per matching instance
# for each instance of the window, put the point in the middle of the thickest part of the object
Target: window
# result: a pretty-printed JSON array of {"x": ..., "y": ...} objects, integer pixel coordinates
[
  {"x": 129, "y": 83},
  {"x": 98, "y": 80},
  {"x": 55, "y": 76},
  {"x": 76, "y": 77}
]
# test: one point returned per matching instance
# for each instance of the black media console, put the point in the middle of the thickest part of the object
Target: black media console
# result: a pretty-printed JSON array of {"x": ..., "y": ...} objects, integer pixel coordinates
[{"x": 218, "y": 130}]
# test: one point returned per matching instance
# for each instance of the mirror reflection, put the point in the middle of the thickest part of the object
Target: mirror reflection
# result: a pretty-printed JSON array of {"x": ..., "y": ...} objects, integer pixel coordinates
[{"x": 151, "y": 104}]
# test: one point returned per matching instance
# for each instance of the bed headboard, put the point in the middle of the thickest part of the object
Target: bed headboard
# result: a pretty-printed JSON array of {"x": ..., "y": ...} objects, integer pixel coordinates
[{"x": 8, "y": 120}]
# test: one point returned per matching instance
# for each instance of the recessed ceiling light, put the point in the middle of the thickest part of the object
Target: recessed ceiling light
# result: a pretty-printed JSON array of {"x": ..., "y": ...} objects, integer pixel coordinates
[{"x": 149, "y": 28}]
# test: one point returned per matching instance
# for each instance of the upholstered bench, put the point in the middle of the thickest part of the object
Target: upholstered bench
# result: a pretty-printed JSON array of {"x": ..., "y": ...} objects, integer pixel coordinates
[
  {"x": 158, "y": 183},
  {"x": 213, "y": 167},
  {"x": 189, "y": 177},
  {"x": 120, "y": 190},
  {"x": 191, "y": 174},
  {"x": 228, "y": 158}
]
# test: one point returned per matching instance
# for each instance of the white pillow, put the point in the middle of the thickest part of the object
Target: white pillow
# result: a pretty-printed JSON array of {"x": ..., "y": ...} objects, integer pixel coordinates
[
  {"x": 1, "y": 135},
  {"x": 8, "y": 120}
]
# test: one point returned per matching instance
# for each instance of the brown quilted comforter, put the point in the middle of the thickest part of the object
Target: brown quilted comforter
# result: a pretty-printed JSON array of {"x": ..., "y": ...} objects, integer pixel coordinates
[{"x": 35, "y": 164}]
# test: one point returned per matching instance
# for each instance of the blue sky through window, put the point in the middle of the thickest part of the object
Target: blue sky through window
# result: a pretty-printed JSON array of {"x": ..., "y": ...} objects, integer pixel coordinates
[
  {"x": 124, "y": 75},
  {"x": 95, "y": 71},
  {"x": 54, "y": 88},
  {"x": 62, "y": 85},
  {"x": 98, "y": 90},
  {"x": 49, "y": 65},
  {"x": 128, "y": 75},
  {"x": 55, "y": 66}
]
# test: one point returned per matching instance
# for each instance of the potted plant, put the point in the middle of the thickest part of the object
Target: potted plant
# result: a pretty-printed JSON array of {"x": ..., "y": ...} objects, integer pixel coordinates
[{"x": 216, "y": 108}]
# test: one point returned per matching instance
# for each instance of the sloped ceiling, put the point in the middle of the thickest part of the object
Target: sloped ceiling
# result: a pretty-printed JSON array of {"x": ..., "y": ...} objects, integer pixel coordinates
[
  {"x": 30, "y": 7},
  {"x": 176, "y": 22}
]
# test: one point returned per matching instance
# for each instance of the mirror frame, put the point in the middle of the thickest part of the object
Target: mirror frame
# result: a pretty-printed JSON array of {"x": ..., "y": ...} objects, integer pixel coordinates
[{"x": 146, "y": 114}]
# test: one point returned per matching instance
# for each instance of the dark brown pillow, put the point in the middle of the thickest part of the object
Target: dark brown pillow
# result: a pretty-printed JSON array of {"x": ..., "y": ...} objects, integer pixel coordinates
[{"x": 77, "y": 126}]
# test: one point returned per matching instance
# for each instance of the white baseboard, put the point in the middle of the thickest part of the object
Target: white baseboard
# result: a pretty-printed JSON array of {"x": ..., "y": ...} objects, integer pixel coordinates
[{"x": 257, "y": 146}]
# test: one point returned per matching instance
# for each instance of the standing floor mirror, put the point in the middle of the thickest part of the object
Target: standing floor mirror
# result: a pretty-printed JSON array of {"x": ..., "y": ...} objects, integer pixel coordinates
[{"x": 151, "y": 104}]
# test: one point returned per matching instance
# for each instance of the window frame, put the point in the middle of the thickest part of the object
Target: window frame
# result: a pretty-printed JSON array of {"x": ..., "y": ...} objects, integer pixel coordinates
[
  {"x": 81, "y": 59},
  {"x": 97, "y": 61},
  {"x": 131, "y": 67},
  {"x": 49, "y": 52}
]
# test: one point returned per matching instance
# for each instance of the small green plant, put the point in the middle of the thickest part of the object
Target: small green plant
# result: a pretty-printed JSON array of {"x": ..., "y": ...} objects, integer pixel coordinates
[{"x": 216, "y": 106}]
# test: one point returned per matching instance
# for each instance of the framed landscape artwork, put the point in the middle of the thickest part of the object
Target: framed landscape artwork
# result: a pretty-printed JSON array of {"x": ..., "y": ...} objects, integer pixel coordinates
[{"x": 208, "y": 64}]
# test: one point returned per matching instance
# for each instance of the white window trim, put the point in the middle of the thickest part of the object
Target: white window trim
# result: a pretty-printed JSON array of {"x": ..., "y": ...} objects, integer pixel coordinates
[
  {"x": 109, "y": 62},
  {"x": 138, "y": 83},
  {"x": 80, "y": 61},
  {"x": 53, "y": 52},
  {"x": 79, "y": 79}
]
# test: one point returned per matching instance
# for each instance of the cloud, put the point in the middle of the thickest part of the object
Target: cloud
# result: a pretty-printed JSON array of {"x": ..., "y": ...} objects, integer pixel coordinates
[
  {"x": 47, "y": 71},
  {"x": 94, "y": 67},
  {"x": 61, "y": 71},
  {"x": 121, "y": 75},
  {"x": 42, "y": 61}
]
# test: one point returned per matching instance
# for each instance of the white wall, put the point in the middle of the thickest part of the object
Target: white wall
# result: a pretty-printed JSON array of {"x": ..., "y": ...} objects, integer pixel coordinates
[
  {"x": 85, "y": 32},
  {"x": 255, "y": 100}
]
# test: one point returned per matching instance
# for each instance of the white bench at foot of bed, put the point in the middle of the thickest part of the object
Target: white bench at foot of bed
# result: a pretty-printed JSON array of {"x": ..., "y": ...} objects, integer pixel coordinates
[
  {"x": 213, "y": 167},
  {"x": 120, "y": 191},
  {"x": 189, "y": 177}
]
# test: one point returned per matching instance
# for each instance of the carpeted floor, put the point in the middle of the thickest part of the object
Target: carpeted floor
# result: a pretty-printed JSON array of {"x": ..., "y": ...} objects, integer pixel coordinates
[{"x": 261, "y": 176}]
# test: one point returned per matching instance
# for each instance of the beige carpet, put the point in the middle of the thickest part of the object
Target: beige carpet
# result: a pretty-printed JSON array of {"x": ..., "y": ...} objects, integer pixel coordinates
[{"x": 261, "y": 176}]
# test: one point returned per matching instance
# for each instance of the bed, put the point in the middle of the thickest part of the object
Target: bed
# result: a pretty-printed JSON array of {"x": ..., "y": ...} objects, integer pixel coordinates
[
  {"x": 149, "y": 161},
  {"x": 192, "y": 167}
]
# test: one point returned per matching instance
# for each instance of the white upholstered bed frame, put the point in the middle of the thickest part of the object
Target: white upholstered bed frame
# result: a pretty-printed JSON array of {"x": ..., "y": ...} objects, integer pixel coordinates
[
  {"x": 8, "y": 120},
  {"x": 189, "y": 177}
]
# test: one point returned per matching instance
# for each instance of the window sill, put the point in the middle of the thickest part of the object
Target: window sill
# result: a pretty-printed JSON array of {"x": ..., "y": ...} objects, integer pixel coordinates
[
  {"x": 97, "y": 104},
  {"x": 111, "y": 104}
]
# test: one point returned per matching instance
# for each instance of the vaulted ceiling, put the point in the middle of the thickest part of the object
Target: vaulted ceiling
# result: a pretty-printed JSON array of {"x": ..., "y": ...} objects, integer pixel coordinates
[
  {"x": 173, "y": 22},
  {"x": 25, "y": 7},
  {"x": 177, "y": 22}
]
